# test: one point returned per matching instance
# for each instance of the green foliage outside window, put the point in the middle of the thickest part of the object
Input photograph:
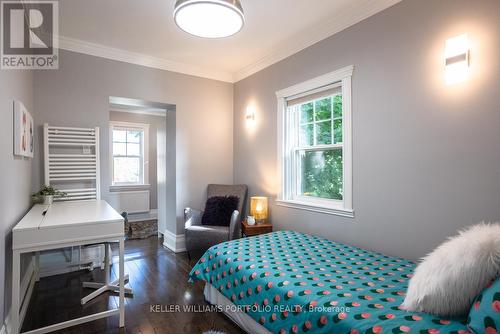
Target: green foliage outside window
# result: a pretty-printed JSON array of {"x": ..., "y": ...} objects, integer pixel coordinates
[
  {"x": 322, "y": 174},
  {"x": 307, "y": 111},
  {"x": 321, "y": 170},
  {"x": 337, "y": 106},
  {"x": 323, "y": 109}
]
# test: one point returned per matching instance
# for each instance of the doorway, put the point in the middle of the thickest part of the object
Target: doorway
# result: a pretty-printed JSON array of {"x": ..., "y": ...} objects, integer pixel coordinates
[{"x": 141, "y": 160}]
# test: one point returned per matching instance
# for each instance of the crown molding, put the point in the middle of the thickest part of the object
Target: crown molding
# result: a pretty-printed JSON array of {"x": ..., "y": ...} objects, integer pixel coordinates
[
  {"x": 303, "y": 40},
  {"x": 98, "y": 50},
  {"x": 336, "y": 23}
]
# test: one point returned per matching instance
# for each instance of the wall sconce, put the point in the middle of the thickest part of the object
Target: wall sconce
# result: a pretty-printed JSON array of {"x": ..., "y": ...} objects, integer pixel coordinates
[
  {"x": 258, "y": 209},
  {"x": 457, "y": 59},
  {"x": 250, "y": 114}
]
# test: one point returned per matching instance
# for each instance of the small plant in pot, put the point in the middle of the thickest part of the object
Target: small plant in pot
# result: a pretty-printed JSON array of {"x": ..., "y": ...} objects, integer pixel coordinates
[{"x": 47, "y": 194}]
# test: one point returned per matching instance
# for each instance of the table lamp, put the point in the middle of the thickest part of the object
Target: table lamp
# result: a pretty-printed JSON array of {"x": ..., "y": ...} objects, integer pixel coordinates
[{"x": 258, "y": 209}]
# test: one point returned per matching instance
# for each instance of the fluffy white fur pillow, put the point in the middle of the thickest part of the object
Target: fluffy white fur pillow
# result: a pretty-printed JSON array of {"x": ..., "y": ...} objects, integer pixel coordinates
[{"x": 447, "y": 280}]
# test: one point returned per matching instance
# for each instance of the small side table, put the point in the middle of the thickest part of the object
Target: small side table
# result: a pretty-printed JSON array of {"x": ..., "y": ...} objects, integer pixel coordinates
[{"x": 251, "y": 230}]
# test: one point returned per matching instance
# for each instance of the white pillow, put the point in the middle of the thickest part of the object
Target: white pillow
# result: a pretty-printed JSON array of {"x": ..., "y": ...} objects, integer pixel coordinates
[{"x": 447, "y": 280}]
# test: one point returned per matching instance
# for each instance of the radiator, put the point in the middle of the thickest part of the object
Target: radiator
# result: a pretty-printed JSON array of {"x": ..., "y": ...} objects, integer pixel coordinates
[{"x": 130, "y": 201}]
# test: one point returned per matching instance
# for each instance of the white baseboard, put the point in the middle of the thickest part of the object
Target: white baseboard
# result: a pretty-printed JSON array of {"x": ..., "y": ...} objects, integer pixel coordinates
[{"x": 174, "y": 242}]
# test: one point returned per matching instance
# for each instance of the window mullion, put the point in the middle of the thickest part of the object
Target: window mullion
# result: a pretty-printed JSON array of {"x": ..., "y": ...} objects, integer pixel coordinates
[
  {"x": 287, "y": 153},
  {"x": 296, "y": 165},
  {"x": 314, "y": 123},
  {"x": 332, "y": 124},
  {"x": 320, "y": 147},
  {"x": 126, "y": 142},
  {"x": 296, "y": 140},
  {"x": 141, "y": 158}
]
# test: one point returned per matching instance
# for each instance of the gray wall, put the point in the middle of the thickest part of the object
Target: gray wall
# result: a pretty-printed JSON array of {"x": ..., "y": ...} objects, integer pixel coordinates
[
  {"x": 426, "y": 156},
  {"x": 77, "y": 95},
  {"x": 154, "y": 122},
  {"x": 15, "y": 174}
]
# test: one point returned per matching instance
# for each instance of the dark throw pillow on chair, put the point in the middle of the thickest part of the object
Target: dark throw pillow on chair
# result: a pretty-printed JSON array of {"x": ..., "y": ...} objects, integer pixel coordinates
[{"x": 218, "y": 210}]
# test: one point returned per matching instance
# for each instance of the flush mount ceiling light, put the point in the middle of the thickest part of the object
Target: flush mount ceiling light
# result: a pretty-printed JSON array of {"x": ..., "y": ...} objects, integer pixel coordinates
[{"x": 209, "y": 18}]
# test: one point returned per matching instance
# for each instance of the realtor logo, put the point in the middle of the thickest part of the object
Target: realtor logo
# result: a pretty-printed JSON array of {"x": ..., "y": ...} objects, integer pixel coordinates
[{"x": 29, "y": 31}]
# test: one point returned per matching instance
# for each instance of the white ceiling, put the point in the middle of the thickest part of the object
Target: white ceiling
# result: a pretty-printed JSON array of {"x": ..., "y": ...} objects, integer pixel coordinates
[{"x": 143, "y": 31}]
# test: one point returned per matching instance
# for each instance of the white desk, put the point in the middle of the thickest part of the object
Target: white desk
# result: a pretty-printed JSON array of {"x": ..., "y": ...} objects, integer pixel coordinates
[{"x": 62, "y": 225}]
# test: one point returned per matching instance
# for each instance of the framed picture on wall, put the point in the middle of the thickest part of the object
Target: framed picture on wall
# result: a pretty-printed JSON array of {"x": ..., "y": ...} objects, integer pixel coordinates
[{"x": 23, "y": 131}]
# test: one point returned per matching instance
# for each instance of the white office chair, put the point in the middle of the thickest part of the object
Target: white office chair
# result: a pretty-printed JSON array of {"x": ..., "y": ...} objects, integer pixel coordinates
[
  {"x": 107, "y": 285},
  {"x": 113, "y": 286}
]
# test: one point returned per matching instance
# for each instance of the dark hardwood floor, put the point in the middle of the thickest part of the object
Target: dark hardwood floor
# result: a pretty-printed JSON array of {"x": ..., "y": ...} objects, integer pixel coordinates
[{"x": 157, "y": 276}]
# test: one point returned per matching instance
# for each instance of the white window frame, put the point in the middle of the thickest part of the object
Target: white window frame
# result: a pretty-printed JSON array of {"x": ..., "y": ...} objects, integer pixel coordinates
[
  {"x": 287, "y": 195},
  {"x": 145, "y": 154}
]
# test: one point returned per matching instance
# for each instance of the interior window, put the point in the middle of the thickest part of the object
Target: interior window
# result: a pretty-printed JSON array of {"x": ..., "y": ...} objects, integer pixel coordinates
[{"x": 128, "y": 155}]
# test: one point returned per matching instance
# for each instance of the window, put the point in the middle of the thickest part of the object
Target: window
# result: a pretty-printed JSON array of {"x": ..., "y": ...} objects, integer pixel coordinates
[
  {"x": 314, "y": 126},
  {"x": 129, "y": 153}
]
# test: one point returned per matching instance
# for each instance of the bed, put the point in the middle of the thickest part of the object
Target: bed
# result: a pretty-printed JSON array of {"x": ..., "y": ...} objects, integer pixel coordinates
[{"x": 288, "y": 282}]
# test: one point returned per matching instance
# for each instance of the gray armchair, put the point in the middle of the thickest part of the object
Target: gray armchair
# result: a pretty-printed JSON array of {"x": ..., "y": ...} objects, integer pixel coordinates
[{"x": 199, "y": 237}]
